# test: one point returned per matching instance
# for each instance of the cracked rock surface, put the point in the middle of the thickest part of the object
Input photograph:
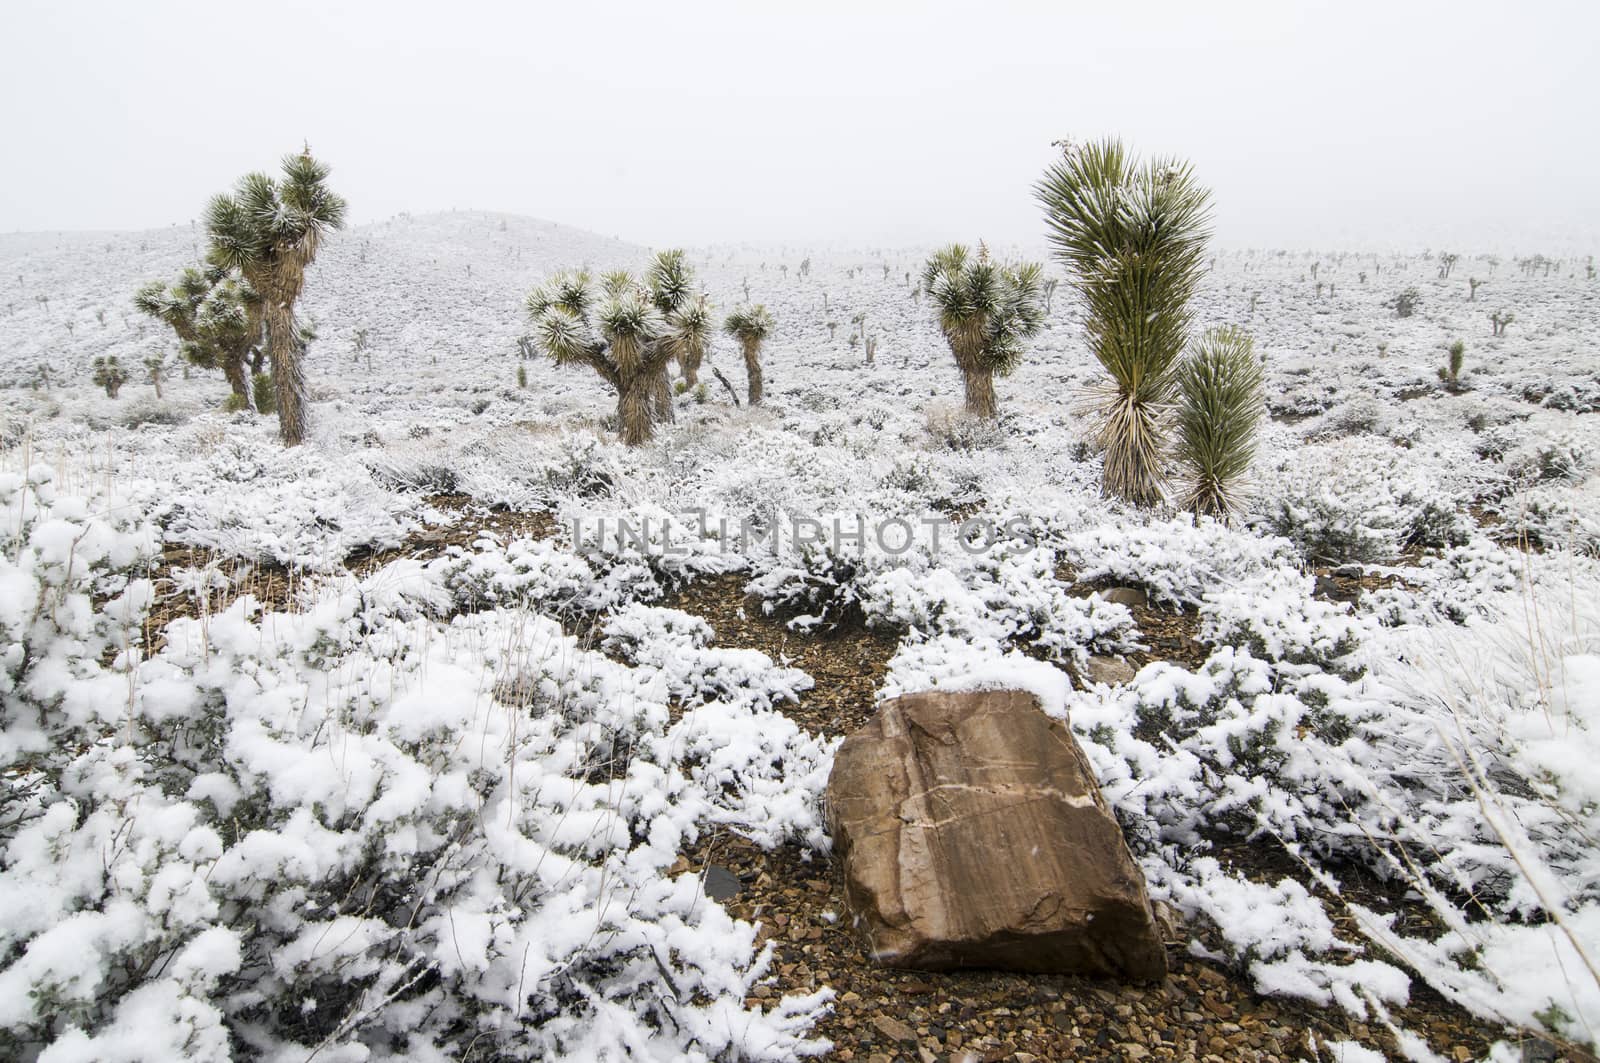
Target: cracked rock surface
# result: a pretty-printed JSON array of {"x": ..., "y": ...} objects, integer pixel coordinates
[{"x": 973, "y": 834}]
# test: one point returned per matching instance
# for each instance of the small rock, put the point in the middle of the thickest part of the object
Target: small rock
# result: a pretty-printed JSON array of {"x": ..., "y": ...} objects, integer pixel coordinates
[
  {"x": 1109, "y": 671},
  {"x": 721, "y": 884},
  {"x": 893, "y": 1028},
  {"x": 1129, "y": 596}
]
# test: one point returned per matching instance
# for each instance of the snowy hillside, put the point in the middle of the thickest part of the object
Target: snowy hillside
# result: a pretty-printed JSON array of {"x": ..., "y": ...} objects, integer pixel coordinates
[{"x": 367, "y": 752}]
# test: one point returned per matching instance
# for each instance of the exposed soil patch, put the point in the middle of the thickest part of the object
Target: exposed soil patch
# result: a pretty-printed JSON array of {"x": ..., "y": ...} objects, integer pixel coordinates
[
  {"x": 1347, "y": 583},
  {"x": 473, "y": 520},
  {"x": 1201, "y": 1011},
  {"x": 848, "y": 662},
  {"x": 276, "y": 586}
]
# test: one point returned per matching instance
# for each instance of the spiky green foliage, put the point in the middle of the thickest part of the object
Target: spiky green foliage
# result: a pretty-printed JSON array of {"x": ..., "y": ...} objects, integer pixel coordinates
[
  {"x": 1132, "y": 237},
  {"x": 751, "y": 325},
  {"x": 270, "y": 231},
  {"x": 109, "y": 374},
  {"x": 986, "y": 310},
  {"x": 1450, "y": 373},
  {"x": 626, "y": 331},
  {"x": 1220, "y": 404},
  {"x": 216, "y": 316}
]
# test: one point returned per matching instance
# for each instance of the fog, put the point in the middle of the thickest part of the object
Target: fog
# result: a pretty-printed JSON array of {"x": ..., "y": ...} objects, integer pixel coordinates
[{"x": 1466, "y": 125}]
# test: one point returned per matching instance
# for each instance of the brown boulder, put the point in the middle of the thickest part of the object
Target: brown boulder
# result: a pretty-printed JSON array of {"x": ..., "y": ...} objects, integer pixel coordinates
[{"x": 973, "y": 834}]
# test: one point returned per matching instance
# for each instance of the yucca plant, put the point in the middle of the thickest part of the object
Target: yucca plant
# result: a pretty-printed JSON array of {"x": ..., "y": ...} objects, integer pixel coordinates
[
  {"x": 109, "y": 374},
  {"x": 750, "y": 325},
  {"x": 1450, "y": 372},
  {"x": 217, "y": 318},
  {"x": 985, "y": 311},
  {"x": 1220, "y": 404},
  {"x": 1132, "y": 238},
  {"x": 156, "y": 368},
  {"x": 620, "y": 331},
  {"x": 270, "y": 232}
]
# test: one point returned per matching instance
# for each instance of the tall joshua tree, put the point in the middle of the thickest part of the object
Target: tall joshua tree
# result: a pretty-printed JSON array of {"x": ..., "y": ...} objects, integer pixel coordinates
[
  {"x": 985, "y": 312},
  {"x": 619, "y": 331},
  {"x": 270, "y": 232},
  {"x": 1219, "y": 409},
  {"x": 217, "y": 318},
  {"x": 750, "y": 325},
  {"x": 1133, "y": 239}
]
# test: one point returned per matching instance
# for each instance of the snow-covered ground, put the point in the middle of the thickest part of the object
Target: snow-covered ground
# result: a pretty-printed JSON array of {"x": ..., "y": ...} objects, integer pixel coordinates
[{"x": 412, "y": 809}]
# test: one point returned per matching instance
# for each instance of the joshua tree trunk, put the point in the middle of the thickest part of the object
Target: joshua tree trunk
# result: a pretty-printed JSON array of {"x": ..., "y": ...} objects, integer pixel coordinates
[
  {"x": 690, "y": 366},
  {"x": 661, "y": 396},
  {"x": 634, "y": 396},
  {"x": 980, "y": 392},
  {"x": 288, "y": 376},
  {"x": 752, "y": 369},
  {"x": 238, "y": 380}
]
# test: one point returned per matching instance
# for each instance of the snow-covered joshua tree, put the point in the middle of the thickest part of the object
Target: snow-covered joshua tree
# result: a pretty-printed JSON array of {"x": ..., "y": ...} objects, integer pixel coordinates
[
  {"x": 985, "y": 310},
  {"x": 270, "y": 232},
  {"x": 621, "y": 331},
  {"x": 750, "y": 325}
]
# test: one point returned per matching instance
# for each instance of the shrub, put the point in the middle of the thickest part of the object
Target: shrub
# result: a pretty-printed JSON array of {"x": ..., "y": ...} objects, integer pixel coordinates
[{"x": 266, "y": 395}]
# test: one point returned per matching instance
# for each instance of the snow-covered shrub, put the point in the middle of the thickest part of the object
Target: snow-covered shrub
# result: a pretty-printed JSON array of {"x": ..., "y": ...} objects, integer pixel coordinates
[
  {"x": 360, "y": 833},
  {"x": 1356, "y": 501}
]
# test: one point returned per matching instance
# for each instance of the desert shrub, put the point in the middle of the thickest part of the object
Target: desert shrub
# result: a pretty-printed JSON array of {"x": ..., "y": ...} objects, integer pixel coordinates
[
  {"x": 266, "y": 396},
  {"x": 142, "y": 413},
  {"x": 955, "y": 430},
  {"x": 1354, "y": 501},
  {"x": 205, "y": 873},
  {"x": 1405, "y": 302}
]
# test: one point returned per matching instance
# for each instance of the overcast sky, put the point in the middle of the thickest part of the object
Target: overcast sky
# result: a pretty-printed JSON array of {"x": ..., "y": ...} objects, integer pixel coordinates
[{"x": 1318, "y": 125}]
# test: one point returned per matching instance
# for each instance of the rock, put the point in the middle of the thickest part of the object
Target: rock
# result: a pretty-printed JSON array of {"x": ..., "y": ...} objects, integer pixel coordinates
[
  {"x": 1111, "y": 671},
  {"x": 893, "y": 1028},
  {"x": 721, "y": 884},
  {"x": 973, "y": 834},
  {"x": 1129, "y": 596}
]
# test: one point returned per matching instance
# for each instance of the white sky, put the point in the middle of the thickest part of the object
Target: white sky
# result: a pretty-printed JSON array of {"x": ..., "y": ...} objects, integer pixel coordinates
[{"x": 1399, "y": 124}]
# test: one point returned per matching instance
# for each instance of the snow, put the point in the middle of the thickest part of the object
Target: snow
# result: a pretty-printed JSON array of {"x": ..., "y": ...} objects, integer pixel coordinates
[{"x": 440, "y": 798}]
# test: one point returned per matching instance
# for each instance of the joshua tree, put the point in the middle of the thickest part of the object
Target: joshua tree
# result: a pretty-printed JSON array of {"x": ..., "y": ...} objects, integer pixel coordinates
[
  {"x": 1133, "y": 238},
  {"x": 986, "y": 310},
  {"x": 1450, "y": 373},
  {"x": 618, "y": 331},
  {"x": 750, "y": 325},
  {"x": 670, "y": 281},
  {"x": 1499, "y": 320},
  {"x": 270, "y": 232},
  {"x": 1219, "y": 408},
  {"x": 1447, "y": 262},
  {"x": 1473, "y": 284},
  {"x": 156, "y": 367},
  {"x": 109, "y": 374},
  {"x": 217, "y": 319}
]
